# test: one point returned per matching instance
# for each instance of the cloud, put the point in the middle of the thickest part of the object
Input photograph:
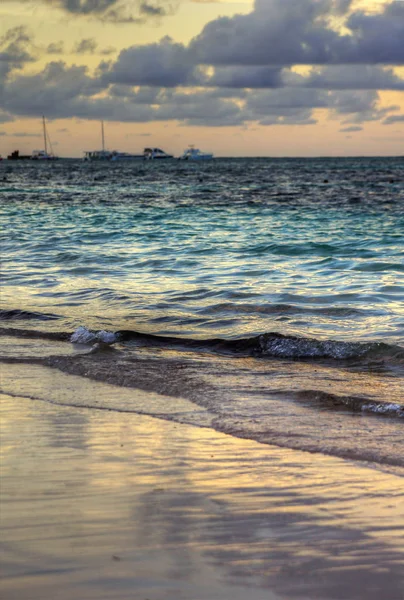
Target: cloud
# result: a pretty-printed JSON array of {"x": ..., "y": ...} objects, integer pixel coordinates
[
  {"x": 246, "y": 77},
  {"x": 353, "y": 77},
  {"x": 44, "y": 92},
  {"x": 152, "y": 10},
  {"x": 16, "y": 47},
  {"x": 296, "y": 106},
  {"x": 257, "y": 50},
  {"x": 55, "y": 48},
  {"x": 166, "y": 64},
  {"x": 5, "y": 117},
  {"x": 113, "y": 11},
  {"x": 238, "y": 71},
  {"x": 352, "y": 129},
  {"x": 62, "y": 91},
  {"x": 85, "y": 46},
  {"x": 108, "y": 50},
  {"x": 286, "y": 32},
  {"x": 393, "y": 119}
]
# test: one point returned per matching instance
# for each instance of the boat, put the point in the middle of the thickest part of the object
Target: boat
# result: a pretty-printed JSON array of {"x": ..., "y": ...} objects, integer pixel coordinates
[
  {"x": 192, "y": 153},
  {"x": 99, "y": 154},
  {"x": 155, "y": 154},
  {"x": 17, "y": 156},
  {"x": 44, "y": 154}
]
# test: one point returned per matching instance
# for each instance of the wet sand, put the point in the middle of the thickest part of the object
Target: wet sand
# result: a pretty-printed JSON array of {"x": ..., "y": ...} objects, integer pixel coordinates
[{"x": 106, "y": 505}]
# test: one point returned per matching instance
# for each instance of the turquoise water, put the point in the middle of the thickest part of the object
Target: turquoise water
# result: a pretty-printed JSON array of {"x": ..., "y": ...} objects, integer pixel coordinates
[
  {"x": 231, "y": 248},
  {"x": 290, "y": 259}
]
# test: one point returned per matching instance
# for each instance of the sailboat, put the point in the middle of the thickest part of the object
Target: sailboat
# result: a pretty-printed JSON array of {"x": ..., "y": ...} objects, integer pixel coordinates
[
  {"x": 99, "y": 154},
  {"x": 113, "y": 155},
  {"x": 44, "y": 154}
]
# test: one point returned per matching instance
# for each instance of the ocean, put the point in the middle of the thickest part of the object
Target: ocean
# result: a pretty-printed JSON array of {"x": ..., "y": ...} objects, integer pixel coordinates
[{"x": 262, "y": 298}]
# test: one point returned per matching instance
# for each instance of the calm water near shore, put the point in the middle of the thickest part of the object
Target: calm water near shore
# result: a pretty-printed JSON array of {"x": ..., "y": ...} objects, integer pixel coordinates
[
  {"x": 265, "y": 298},
  {"x": 101, "y": 505}
]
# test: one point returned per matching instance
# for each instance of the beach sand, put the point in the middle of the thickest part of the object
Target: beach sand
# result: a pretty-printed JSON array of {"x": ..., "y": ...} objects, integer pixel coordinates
[{"x": 97, "y": 504}]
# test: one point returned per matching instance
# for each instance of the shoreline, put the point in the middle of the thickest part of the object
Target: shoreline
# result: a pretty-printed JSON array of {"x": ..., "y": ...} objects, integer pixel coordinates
[{"x": 100, "y": 504}]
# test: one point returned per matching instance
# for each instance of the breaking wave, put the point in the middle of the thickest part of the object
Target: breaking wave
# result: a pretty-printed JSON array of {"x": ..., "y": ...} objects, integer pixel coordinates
[{"x": 268, "y": 345}]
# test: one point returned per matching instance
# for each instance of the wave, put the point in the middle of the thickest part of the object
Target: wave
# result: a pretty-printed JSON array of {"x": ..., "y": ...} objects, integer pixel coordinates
[
  {"x": 277, "y": 345},
  {"x": 268, "y": 345},
  {"x": 317, "y": 398},
  {"x": 26, "y": 315}
]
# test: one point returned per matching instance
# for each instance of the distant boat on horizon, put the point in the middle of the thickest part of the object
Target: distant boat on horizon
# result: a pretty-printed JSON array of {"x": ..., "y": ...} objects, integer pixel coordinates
[
  {"x": 193, "y": 153},
  {"x": 43, "y": 154},
  {"x": 116, "y": 155},
  {"x": 99, "y": 154},
  {"x": 155, "y": 154}
]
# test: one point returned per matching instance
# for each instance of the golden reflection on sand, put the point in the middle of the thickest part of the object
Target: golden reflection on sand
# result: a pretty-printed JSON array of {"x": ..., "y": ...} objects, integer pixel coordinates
[{"x": 102, "y": 504}]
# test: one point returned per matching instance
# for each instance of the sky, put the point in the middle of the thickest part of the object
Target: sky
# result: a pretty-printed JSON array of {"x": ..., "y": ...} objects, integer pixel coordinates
[{"x": 237, "y": 78}]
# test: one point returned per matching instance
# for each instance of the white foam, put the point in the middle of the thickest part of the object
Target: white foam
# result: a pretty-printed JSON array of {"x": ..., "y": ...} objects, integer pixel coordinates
[
  {"x": 83, "y": 336},
  {"x": 384, "y": 409}
]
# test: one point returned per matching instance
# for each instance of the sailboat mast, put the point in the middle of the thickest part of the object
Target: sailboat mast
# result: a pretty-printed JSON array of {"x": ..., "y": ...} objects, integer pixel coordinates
[
  {"x": 44, "y": 134},
  {"x": 102, "y": 132}
]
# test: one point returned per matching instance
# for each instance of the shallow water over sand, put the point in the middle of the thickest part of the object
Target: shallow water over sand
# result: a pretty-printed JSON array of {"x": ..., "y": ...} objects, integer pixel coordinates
[{"x": 98, "y": 504}]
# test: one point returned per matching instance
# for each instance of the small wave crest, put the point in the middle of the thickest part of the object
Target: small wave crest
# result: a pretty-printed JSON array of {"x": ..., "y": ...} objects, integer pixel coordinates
[
  {"x": 329, "y": 401},
  {"x": 275, "y": 344},
  {"x": 393, "y": 410},
  {"x": 82, "y": 335}
]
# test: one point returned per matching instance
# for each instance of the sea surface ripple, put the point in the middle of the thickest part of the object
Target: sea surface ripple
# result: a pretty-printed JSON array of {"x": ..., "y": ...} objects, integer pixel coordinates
[{"x": 263, "y": 291}]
